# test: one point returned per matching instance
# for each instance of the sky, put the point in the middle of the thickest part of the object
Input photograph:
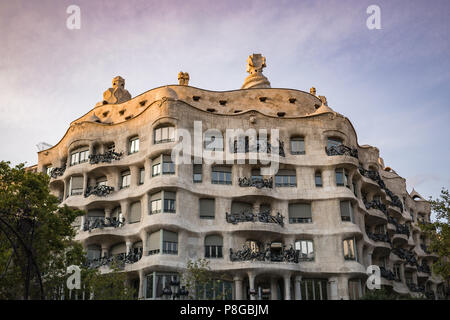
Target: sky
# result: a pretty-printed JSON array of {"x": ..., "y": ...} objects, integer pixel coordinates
[{"x": 392, "y": 83}]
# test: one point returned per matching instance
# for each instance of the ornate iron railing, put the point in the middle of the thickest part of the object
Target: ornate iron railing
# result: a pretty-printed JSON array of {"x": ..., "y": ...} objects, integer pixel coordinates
[
  {"x": 406, "y": 255},
  {"x": 415, "y": 288},
  {"x": 246, "y": 254},
  {"x": 375, "y": 176},
  {"x": 108, "y": 157},
  {"x": 259, "y": 183},
  {"x": 376, "y": 204},
  {"x": 340, "y": 150},
  {"x": 248, "y": 216},
  {"x": 100, "y": 223},
  {"x": 387, "y": 274},
  {"x": 399, "y": 228},
  {"x": 241, "y": 146},
  {"x": 56, "y": 172},
  {"x": 383, "y": 237},
  {"x": 99, "y": 190},
  {"x": 424, "y": 268},
  {"x": 119, "y": 260}
]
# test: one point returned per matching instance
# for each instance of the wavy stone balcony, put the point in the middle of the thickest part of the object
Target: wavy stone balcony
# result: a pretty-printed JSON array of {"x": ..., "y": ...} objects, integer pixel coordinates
[
  {"x": 98, "y": 190},
  {"x": 57, "y": 172},
  {"x": 106, "y": 157}
]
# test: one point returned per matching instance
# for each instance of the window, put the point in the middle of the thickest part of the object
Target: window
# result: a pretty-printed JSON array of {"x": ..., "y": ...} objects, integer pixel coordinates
[
  {"x": 221, "y": 175},
  {"x": 135, "y": 212},
  {"x": 286, "y": 178},
  {"x": 48, "y": 170},
  {"x": 197, "y": 173},
  {"x": 256, "y": 174},
  {"x": 102, "y": 181},
  {"x": 94, "y": 252},
  {"x": 213, "y": 246},
  {"x": 306, "y": 249},
  {"x": 297, "y": 145},
  {"x": 164, "y": 134},
  {"x": 334, "y": 142},
  {"x": 300, "y": 213},
  {"x": 111, "y": 147},
  {"x": 215, "y": 290},
  {"x": 134, "y": 145},
  {"x": 238, "y": 207},
  {"x": 207, "y": 208},
  {"x": 354, "y": 289},
  {"x": 156, "y": 166},
  {"x": 169, "y": 242},
  {"x": 154, "y": 242},
  {"x": 346, "y": 211},
  {"x": 156, "y": 282},
  {"x": 213, "y": 141},
  {"x": 79, "y": 157},
  {"x": 253, "y": 245},
  {"x": 76, "y": 185},
  {"x": 314, "y": 289},
  {"x": 164, "y": 200},
  {"x": 349, "y": 249},
  {"x": 318, "y": 179},
  {"x": 126, "y": 179},
  {"x": 397, "y": 272},
  {"x": 168, "y": 165},
  {"x": 341, "y": 177},
  {"x": 141, "y": 175}
]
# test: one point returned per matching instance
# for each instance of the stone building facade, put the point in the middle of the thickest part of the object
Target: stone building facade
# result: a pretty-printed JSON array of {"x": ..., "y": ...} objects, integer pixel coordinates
[{"x": 308, "y": 231}]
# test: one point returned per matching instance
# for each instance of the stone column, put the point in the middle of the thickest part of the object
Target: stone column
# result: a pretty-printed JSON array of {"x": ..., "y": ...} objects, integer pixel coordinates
[
  {"x": 251, "y": 282},
  {"x": 105, "y": 250},
  {"x": 402, "y": 273},
  {"x": 108, "y": 214},
  {"x": 238, "y": 288},
  {"x": 85, "y": 182},
  {"x": 125, "y": 208},
  {"x": 134, "y": 172},
  {"x": 141, "y": 294},
  {"x": 343, "y": 288},
  {"x": 287, "y": 286},
  {"x": 129, "y": 245},
  {"x": 298, "y": 291},
  {"x": 333, "y": 281},
  {"x": 273, "y": 289}
]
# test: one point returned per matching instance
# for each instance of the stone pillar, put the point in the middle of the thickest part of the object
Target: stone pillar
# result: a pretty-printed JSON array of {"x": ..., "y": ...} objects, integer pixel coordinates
[
  {"x": 85, "y": 182},
  {"x": 298, "y": 291},
  {"x": 273, "y": 289},
  {"x": 287, "y": 286},
  {"x": 343, "y": 288},
  {"x": 141, "y": 294},
  {"x": 83, "y": 221},
  {"x": 105, "y": 250},
  {"x": 333, "y": 281},
  {"x": 129, "y": 245},
  {"x": 251, "y": 282},
  {"x": 145, "y": 206},
  {"x": 238, "y": 288},
  {"x": 134, "y": 172},
  {"x": 125, "y": 208},
  {"x": 402, "y": 273}
]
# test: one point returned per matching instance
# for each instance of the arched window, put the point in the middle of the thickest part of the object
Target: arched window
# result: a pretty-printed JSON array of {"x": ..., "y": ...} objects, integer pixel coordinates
[
  {"x": 334, "y": 142},
  {"x": 213, "y": 246},
  {"x": 164, "y": 134}
]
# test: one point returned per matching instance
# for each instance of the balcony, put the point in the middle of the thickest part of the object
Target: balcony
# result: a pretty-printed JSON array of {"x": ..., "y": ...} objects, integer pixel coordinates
[
  {"x": 387, "y": 274},
  {"x": 100, "y": 223},
  {"x": 375, "y": 176},
  {"x": 399, "y": 228},
  {"x": 248, "y": 216},
  {"x": 119, "y": 260},
  {"x": 383, "y": 237},
  {"x": 406, "y": 255},
  {"x": 268, "y": 254},
  {"x": 375, "y": 204},
  {"x": 240, "y": 147},
  {"x": 415, "y": 288},
  {"x": 100, "y": 190},
  {"x": 424, "y": 268},
  {"x": 56, "y": 172},
  {"x": 107, "y": 157},
  {"x": 259, "y": 183},
  {"x": 340, "y": 150}
]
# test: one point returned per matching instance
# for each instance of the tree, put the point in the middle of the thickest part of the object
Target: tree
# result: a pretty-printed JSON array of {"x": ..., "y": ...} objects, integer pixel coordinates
[
  {"x": 439, "y": 234},
  {"x": 198, "y": 277},
  {"x": 37, "y": 243}
]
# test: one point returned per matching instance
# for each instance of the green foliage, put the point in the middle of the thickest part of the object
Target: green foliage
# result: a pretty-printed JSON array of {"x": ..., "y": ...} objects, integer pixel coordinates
[
  {"x": 439, "y": 234},
  {"x": 37, "y": 242}
]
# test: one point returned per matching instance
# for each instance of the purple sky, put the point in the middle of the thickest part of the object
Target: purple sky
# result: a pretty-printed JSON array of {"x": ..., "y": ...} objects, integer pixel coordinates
[{"x": 393, "y": 84}]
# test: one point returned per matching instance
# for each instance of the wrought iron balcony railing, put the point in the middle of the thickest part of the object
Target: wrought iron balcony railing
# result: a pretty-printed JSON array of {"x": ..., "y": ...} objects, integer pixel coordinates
[
  {"x": 259, "y": 183},
  {"x": 376, "y": 204},
  {"x": 268, "y": 254},
  {"x": 240, "y": 146},
  {"x": 399, "y": 228},
  {"x": 118, "y": 260},
  {"x": 383, "y": 237},
  {"x": 387, "y": 274},
  {"x": 248, "y": 216},
  {"x": 409, "y": 256},
  {"x": 56, "y": 172},
  {"x": 100, "y": 190},
  {"x": 375, "y": 176},
  {"x": 415, "y": 288},
  {"x": 340, "y": 150},
  {"x": 108, "y": 157},
  {"x": 94, "y": 223},
  {"x": 424, "y": 268}
]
